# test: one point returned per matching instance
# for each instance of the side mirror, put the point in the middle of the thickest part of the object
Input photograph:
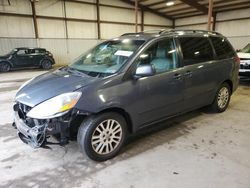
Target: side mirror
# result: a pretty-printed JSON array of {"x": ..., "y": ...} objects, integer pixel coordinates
[{"x": 144, "y": 71}]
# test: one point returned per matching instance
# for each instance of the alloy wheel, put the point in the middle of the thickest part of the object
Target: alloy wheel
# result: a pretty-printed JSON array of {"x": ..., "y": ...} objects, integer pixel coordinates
[
  {"x": 46, "y": 64},
  {"x": 106, "y": 137},
  {"x": 223, "y": 97},
  {"x": 5, "y": 67}
]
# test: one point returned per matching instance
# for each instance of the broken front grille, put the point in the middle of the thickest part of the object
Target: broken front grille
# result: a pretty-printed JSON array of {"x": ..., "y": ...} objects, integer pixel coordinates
[
  {"x": 22, "y": 111},
  {"x": 242, "y": 66}
]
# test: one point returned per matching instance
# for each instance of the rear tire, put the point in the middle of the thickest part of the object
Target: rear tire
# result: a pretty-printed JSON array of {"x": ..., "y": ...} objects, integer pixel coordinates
[
  {"x": 46, "y": 64},
  {"x": 222, "y": 98},
  {"x": 100, "y": 137},
  {"x": 4, "y": 67}
]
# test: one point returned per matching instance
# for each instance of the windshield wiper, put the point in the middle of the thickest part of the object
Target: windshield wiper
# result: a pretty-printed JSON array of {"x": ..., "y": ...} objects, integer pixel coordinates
[
  {"x": 74, "y": 71},
  {"x": 89, "y": 73}
]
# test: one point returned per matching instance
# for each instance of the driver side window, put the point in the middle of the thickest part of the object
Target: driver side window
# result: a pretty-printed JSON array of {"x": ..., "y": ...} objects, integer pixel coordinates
[{"x": 161, "y": 56}]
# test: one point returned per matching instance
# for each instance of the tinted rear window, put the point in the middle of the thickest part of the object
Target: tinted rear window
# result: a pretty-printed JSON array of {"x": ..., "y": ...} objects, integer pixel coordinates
[
  {"x": 222, "y": 48},
  {"x": 36, "y": 51},
  {"x": 196, "y": 50},
  {"x": 39, "y": 51}
]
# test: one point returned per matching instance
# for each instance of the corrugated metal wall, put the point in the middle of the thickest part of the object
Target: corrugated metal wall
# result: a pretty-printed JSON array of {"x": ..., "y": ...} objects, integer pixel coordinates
[
  {"x": 237, "y": 31},
  {"x": 19, "y": 31},
  {"x": 64, "y": 51}
]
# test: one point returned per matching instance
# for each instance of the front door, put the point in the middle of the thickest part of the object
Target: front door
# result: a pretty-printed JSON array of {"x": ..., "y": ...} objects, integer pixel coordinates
[
  {"x": 23, "y": 58},
  {"x": 160, "y": 95}
]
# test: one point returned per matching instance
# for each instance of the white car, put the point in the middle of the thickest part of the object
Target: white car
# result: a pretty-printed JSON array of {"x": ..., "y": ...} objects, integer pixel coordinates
[{"x": 244, "y": 56}]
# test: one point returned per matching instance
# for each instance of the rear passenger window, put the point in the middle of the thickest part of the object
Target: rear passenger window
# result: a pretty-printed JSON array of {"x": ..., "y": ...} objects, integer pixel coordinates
[
  {"x": 222, "y": 48},
  {"x": 31, "y": 51},
  {"x": 196, "y": 50}
]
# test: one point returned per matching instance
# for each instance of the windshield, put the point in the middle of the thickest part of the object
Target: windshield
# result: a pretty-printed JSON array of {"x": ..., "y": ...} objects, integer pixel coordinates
[
  {"x": 11, "y": 52},
  {"x": 246, "y": 49},
  {"x": 106, "y": 58}
]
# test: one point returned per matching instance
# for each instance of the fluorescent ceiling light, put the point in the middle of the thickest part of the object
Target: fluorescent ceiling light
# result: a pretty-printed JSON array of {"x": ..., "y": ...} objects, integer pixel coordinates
[{"x": 170, "y": 3}]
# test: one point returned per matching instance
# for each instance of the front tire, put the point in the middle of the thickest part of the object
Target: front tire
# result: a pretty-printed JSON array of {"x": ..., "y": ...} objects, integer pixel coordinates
[
  {"x": 222, "y": 98},
  {"x": 4, "y": 67},
  {"x": 100, "y": 137}
]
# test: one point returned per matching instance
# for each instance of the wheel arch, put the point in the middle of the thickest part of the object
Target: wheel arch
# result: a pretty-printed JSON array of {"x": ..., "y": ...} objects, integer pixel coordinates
[
  {"x": 45, "y": 58},
  {"x": 123, "y": 113},
  {"x": 5, "y": 61},
  {"x": 230, "y": 83}
]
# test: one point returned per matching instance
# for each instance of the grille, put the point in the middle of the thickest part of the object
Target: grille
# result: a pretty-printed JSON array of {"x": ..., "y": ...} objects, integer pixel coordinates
[
  {"x": 242, "y": 66},
  {"x": 22, "y": 112}
]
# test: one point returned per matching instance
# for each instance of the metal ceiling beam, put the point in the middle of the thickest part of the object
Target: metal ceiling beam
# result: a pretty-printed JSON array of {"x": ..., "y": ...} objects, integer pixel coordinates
[
  {"x": 173, "y": 14},
  {"x": 231, "y": 9},
  {"x": 143, "y": 0},
  {"x": 187, "y": 8},
  {"x": 176, "y": 5},
  {"x": 196, "y": 5},
  {"x": 156, "y": 3},
  {"x": 181, "y": 10},
  {"x": 186, "y": 13},
  {"x": 145, "y": 8},
  {"x": 233, "y": 5},
  {"x": 216, "y": 11}
]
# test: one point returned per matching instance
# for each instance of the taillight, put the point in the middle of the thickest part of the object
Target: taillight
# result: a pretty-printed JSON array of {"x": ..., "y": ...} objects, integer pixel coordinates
[{"x": 237, "y": 59}]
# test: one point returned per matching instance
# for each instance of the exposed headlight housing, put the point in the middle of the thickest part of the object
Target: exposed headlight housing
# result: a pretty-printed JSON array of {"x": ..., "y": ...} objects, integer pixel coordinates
[{"x": 55, "y": 107}]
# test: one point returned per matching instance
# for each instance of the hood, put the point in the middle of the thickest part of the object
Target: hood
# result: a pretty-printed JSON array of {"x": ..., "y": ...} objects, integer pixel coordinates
[
  {"x": 4, "y": 57},
  {"x": 50, "y": 85},
  {"x": 244, "y": 55}
]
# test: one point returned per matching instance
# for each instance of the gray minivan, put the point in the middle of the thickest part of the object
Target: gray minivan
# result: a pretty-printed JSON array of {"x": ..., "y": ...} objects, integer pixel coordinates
[{"x": 126, "y": 84}]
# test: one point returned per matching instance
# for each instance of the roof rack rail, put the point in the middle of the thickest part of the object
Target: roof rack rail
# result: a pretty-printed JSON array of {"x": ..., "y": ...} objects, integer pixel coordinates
[
  {"x": 165, "y": 31},
  {"x": 129, "y": 34},
  {"x": 190, "y": 31},
  {"x": 153, "y": 31}
]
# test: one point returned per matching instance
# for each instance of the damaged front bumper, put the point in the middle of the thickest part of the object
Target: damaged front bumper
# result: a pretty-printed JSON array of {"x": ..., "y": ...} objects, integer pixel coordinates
[
  {"x": 34, "y": 132},
  {"x": 34, "y": 136}
]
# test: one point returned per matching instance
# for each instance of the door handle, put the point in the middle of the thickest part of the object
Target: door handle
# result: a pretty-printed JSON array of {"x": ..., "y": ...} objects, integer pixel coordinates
[
  {"x": 188, "y": 74},
  {"x": 31, "y": 56},
  {"x": 177, "y": 76}
]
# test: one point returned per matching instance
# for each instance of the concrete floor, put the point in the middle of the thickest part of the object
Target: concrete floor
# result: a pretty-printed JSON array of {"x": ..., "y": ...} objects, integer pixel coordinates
[{"x": 198, "y": 149}]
